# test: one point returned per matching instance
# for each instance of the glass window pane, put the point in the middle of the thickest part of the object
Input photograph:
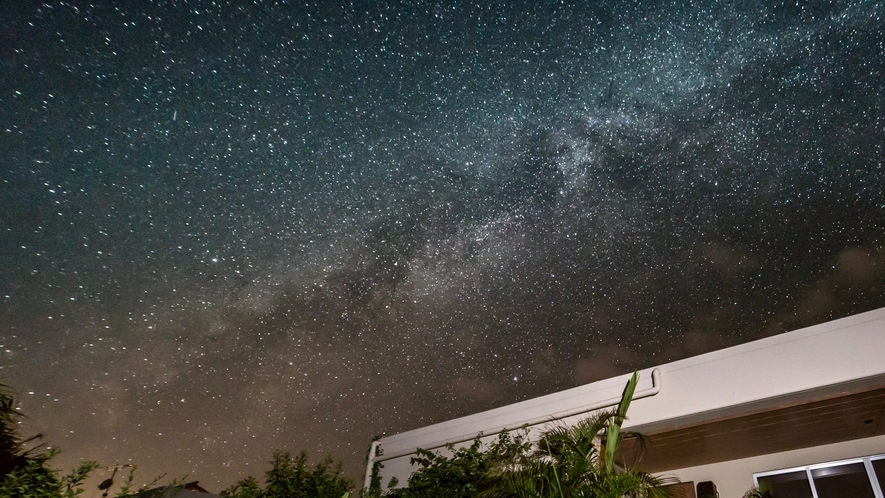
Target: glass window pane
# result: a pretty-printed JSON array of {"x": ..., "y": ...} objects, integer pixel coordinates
[
  {"x": 789, "y": 485},
  {"x": 842, "y": 481}
]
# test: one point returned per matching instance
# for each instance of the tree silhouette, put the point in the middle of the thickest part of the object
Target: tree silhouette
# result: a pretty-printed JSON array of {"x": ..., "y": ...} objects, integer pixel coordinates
[
  {"x": 11, "y": 455},
  {"x": 24, "y": 473},
  {"x": 294, "y": 478}
]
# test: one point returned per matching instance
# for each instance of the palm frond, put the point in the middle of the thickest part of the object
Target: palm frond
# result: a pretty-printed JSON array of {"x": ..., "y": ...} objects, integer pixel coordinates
[{"x": 568, "y": 462}]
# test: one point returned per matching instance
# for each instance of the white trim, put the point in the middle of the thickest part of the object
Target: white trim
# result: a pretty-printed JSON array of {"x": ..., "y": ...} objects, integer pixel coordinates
[
  {"x": 546, "y": 419},
  {"x": 871, "y": 474},
  {"x": 867, "y": 462},
  {"x": 811, "y": 482}
]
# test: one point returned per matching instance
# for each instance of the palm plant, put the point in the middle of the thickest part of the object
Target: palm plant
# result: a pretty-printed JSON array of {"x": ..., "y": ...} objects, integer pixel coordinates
[
  {"x": 762, "y": 491},
  {"x": 570, "y": 462}
]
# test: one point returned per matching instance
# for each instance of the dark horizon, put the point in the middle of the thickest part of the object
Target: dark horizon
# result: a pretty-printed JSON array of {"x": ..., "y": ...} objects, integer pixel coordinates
[{"x": 231, "y": 229}]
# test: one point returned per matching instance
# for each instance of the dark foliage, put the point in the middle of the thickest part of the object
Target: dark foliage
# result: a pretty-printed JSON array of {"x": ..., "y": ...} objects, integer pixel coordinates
[
  {"x": 293, "y": 478},
  {"x": 467, "y": 472},
  {"x": 576, "y": 461},
  {"x": 11, "y": 456},
  {"x": 35, "y": 480}
]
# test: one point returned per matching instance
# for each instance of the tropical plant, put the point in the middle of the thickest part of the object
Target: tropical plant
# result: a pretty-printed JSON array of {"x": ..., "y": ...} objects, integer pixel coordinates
[
  {"x": 566, "y": 462},
  {"x": 293, "y": 478},
  {"x": 466, "y": 472},
  {"x": 571, "y": 462},
  {"x": 762, "y": 491},
  {"x": 614, "y": 423}
]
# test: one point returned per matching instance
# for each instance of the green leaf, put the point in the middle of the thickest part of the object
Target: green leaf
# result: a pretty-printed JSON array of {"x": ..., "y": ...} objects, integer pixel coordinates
[{"x": 614, "y": 428}]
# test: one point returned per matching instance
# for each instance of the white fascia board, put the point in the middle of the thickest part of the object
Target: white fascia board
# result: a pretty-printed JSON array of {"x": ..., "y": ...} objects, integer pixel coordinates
[
  {"x": 803, "y": 361},
  {"x": 550, "y": 407},
  {"x": 823, "y": 355}
]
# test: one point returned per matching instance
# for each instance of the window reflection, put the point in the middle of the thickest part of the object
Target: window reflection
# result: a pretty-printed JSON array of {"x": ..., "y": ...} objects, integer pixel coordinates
[
  {"x": 879, "y": 468},
  {"x": 842, "y": 481},
  {"x": 855, "y": 478},
  {"x": 788, "y": 485}
]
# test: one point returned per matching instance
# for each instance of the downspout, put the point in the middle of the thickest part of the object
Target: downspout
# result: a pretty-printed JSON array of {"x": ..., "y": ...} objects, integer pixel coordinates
[{"x": 645, "y": 393}]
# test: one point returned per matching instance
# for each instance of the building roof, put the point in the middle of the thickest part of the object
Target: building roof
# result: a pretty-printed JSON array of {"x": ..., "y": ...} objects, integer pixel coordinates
[{"x": 819, "y": 384}]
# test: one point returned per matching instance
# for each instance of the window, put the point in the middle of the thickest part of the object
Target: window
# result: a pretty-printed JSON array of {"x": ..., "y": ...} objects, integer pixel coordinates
[
  {"x": 787, "y": 485},
  {"x": 855, "y": 478},
  {"x": 879, "y": 467}
]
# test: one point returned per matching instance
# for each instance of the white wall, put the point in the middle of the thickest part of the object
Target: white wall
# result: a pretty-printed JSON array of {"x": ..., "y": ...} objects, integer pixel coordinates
[{"x": 735, "y": 477}]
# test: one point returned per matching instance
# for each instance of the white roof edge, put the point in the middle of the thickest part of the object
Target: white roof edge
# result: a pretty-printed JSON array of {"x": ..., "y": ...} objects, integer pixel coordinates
[
  {"x": 517, "y": 414},
  {"x": 766, "y": 368},
  {"x": 833, "y": 326}
]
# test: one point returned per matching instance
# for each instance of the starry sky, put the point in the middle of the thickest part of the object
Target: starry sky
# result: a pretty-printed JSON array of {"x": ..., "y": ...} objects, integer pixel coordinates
[{"x": 231, "y": 227}]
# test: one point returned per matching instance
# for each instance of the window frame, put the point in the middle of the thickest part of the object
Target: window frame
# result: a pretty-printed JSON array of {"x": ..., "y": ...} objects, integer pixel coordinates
[{"x": 867, "y": 462}]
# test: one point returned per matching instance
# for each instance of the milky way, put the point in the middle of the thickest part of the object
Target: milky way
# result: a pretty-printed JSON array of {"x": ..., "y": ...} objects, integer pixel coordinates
[{"x": 233, "y": 228}]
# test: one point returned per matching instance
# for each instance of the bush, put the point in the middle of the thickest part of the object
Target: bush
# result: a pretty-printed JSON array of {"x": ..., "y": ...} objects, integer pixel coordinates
[
  {"x": 35, "y": 480},
  {"x": 567, "y": 461},
  {"x": 466, "y": 473},
  {"x": 292, "y": 478}
]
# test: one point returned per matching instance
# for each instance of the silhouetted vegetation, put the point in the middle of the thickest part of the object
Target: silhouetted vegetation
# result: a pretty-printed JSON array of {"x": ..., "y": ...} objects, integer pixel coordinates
[
  {"x": 24, "y": 473},
  {"x": 11, "y": 455},
  {"x": 574, "y": 461},
  {"x": 464, "y": 474},
  {"x": 294, "y": 478}
]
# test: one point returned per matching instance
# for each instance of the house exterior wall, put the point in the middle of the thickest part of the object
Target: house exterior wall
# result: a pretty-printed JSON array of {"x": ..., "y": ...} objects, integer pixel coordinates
[
  {"x": 733, "y": 478},
  {"x": 752, "y": 376}
]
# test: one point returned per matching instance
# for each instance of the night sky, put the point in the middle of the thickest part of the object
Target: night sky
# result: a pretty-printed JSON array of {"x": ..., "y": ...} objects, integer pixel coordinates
[{"x": 234, "y": 227}]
